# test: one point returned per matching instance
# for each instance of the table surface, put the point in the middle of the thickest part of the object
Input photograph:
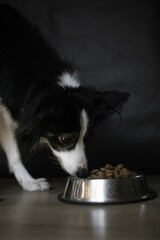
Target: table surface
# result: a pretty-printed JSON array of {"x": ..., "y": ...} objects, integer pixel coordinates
[{"x": 39, "y": 215}]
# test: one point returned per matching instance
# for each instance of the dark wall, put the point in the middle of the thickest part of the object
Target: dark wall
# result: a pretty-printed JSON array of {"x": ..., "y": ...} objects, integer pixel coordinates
[{"x": 115, "y": 45}]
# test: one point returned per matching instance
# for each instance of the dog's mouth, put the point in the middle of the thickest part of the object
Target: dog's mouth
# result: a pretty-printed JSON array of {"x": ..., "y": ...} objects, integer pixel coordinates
[
  {"x": 56, "y": 154},
  {"x": 81, "y": 171},
  {"x": 62, "y": 165},
  {"x": 59, "y": 159}
]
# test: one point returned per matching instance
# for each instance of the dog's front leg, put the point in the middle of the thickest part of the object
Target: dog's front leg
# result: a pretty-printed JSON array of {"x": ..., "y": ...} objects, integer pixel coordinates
[{"x": 10, "y": 147}]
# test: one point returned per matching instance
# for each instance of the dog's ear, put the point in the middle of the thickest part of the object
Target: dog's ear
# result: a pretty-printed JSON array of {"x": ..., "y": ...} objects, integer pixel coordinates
[
  {"x": 107, "y": 103},
  {"x": 100, "y": 105}
]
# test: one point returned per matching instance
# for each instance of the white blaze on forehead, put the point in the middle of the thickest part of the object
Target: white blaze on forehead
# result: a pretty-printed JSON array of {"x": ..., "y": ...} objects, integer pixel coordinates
[
  {"x": 69, "y": 80},
  {"x": 84, "y": 123},
  {"x": 75, "y": 158}
]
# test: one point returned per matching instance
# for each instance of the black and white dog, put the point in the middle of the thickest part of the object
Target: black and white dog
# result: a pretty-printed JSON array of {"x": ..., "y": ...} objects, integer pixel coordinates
[{"x": 42, "y": 101}]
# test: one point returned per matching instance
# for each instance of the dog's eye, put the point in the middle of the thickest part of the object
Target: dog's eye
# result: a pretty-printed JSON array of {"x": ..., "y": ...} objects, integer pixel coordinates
[
  {"x": 67, "y": 139},
  {"x": 61, "y": 140},
  {"x": 64, "y": 140}
]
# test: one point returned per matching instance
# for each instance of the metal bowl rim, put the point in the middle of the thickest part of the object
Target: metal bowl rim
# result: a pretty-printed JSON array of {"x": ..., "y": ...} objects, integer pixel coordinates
[{"x": 139, "y": 174}]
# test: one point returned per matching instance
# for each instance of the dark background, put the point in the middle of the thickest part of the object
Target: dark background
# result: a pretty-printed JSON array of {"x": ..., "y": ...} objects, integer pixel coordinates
[{"x": 115, "y": 45}]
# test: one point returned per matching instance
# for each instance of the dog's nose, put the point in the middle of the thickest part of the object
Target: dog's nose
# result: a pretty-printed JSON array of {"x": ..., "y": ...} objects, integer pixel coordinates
[{"x": 82, "y": 172}]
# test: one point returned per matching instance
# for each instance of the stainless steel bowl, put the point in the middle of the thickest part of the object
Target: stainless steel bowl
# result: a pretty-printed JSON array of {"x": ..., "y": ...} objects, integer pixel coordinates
[{"x": 106, "y": 191}]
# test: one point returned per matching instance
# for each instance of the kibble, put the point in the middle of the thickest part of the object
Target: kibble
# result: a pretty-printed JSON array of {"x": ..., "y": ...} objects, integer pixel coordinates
[
  {"x": 119, "y": 166},
  {"x": 95, "y": 171},
  {"x": 124, "y": 172},
  {"x": 108, "y": 172},
  {"x": 102, "y": 169},
  {"x": 101, "y": 174}
]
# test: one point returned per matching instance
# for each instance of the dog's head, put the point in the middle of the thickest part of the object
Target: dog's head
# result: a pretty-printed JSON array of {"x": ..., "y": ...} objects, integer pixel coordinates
[
  {"x": 66, "y": 140},
  {"x": 64, "y": 117}
]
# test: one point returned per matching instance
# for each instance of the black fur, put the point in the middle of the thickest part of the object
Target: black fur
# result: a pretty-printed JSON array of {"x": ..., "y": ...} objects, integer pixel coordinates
[{"x": 29, "y": 70}]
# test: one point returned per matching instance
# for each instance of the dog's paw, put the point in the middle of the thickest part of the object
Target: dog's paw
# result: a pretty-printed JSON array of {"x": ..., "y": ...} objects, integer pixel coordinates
[{"x": 36, "y": 185}]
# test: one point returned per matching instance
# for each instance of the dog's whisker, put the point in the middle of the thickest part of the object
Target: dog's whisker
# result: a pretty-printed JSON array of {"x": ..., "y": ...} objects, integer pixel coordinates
[{"x": 55, "y": 161}]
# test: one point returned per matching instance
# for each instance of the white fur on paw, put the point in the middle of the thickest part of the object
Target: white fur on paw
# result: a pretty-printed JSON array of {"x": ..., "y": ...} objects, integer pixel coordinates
[{"x": 36, "y": 185}]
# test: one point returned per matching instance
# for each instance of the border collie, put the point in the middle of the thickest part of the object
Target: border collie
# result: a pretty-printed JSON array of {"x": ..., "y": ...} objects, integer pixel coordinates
[{"x": 42, "y": 101}]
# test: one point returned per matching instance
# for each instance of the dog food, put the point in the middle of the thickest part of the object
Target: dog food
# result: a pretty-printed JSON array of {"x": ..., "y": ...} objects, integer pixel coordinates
[{"x": 109, "y": 171}]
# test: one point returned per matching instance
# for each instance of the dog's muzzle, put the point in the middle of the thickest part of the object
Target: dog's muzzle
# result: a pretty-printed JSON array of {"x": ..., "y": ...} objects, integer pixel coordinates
[{"x": 82, "y": 172}]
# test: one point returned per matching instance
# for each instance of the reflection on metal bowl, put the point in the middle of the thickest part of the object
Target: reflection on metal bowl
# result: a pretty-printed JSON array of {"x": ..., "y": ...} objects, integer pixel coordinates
[{"x": 106, "y": 191}]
